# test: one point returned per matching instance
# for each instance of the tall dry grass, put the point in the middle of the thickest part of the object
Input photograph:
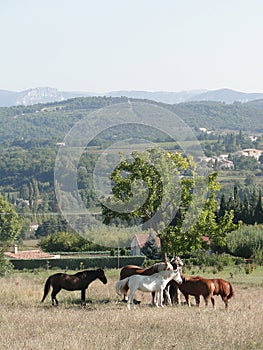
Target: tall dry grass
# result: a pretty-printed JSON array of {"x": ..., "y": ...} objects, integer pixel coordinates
[{"x": 105, "y": 324}]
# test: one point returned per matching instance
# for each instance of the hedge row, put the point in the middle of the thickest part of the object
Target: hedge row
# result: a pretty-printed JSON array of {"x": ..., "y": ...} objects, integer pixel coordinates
[{"x": 78, "y": 263}]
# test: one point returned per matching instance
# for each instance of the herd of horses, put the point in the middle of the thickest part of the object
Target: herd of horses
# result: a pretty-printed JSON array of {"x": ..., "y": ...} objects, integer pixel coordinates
[{"x": 164, "y": 280}]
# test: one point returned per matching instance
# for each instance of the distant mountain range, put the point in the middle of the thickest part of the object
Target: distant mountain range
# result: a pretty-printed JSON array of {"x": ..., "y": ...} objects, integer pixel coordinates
[{"x": 47, "y": 94}]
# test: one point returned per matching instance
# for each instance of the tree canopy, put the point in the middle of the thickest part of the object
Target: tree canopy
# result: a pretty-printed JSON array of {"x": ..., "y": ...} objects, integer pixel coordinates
[
  {"x": 10, "y": 222},
  {"x": 172, "y": 206}
]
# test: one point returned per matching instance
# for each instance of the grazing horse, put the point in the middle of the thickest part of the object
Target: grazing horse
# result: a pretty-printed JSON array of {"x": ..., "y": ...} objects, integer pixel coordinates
[
  {"x": 130, "y": 270},
  {"x": 78, "y": 281},
  {"x": 154, "y": 283},
  {"x": 202, "y": 286}
]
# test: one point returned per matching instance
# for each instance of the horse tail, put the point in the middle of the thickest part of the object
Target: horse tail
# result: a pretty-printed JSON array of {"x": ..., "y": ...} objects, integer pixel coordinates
[
  {"x": 46, "y": 288},
  {"x": 232, "y": 292},
  {"x": 121, "y": 286}
]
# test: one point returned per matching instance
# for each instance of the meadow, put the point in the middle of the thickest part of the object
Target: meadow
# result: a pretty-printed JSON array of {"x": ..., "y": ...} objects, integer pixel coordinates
[{"x": 26, "y": 323}]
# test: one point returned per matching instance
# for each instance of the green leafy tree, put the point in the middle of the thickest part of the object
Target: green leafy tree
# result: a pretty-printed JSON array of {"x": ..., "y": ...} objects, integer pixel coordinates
[
  {"x": 207, "y": 224},
  {"x": 156, "y": 169},
  {"x": 5, "y": 265},
  {"x": 185, "y": 233},
  {"x": 246, "y": 241},
  {"x": 258, "y": 213},
  {"x": 10, "y": 223},
  {"x": 67, "y": 242},
  {"x": 52, "y": 225},
  {"x": 63, "y": 242}
]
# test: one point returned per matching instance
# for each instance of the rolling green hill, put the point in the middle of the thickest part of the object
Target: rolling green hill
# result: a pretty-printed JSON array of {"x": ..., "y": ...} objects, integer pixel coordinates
[
  {"x": 50, "y": 122},
  {"x": 30, "y": 137}
]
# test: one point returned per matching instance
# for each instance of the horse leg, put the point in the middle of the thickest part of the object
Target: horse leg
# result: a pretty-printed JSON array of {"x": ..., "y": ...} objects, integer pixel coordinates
[
  {"x": 83, "y": 297},
  {"x": 177, "y": 296},
  {"x": 125, "y": 290},
  {"x": 225, "y": 300},
  {"x": 158, "y": 299},
  {"x": 206, "y": 300},
  {"x": 55, "y": 291},
  {"x": 166, "y": 295},
  {"x": 187, "y": 298},
  {"x": 160, "y": 295},
  {"x": 174, "y": 293},
  {"x": 213, "y": 302},
  {"x": 197, "y": 300},
  {"x": 153, "y": 298},
  {"x": 130, "y": 300}
]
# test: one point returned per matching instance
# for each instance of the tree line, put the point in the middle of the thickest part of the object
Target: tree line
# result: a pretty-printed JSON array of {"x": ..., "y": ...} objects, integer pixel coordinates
[{"x": 246, "y": 204}]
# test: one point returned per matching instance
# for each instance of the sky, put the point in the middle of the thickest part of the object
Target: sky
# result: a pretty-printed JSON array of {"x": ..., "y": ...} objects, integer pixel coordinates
[{"x": 153, "y": 45}]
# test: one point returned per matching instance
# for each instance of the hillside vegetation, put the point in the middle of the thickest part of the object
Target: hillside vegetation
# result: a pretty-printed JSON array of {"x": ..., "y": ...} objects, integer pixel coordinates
[
  {"x": 52, "y": 121},
  {"x": 30, "y": 137}
]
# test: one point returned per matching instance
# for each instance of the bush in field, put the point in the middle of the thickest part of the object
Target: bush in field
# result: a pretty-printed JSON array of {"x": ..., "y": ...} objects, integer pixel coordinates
[
  {"x": 5, "y": 265},
  {"x": 247, "y": 242},
  {"x": 218, "y": 261},
  {"x": 66, "y": 242},
  {"x": 258, "y": 256}
]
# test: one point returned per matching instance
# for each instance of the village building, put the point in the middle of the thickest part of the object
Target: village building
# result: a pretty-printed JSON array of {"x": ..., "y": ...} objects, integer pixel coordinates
[{"x": 139, "y": 241}]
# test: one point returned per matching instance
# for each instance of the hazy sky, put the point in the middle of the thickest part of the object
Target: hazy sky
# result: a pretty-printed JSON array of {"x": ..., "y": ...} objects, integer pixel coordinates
[{"x": 105, "y": 45}]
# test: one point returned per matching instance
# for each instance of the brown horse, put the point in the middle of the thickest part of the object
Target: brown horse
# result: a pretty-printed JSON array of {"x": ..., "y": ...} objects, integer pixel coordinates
[
  {"x": 207, "y": 287},
  {"x": 78, "y": 281},
  {"x": 223, "y": 288},
  {"x": 197, "y": 286},
  {"x": 130, "y": 270}
]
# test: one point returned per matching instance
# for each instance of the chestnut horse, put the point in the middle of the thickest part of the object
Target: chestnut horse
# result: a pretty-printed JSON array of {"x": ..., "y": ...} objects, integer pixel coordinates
[
  {"x": 223, "y": 288},
  {"x": 130, "y": 270},
  {"x": 207, "y": 287},
  {"x": 78, "y": 281},
  {"x": 197, "y": 286}
]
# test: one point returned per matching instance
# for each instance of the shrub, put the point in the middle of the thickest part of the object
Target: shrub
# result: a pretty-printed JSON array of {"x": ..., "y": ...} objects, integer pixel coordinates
[
  {"x": 5, "y": 265},
  {"x": 217, "y": 261},
  {"x": 246, "y": 241},
  {"x": 66, "y": 242}
]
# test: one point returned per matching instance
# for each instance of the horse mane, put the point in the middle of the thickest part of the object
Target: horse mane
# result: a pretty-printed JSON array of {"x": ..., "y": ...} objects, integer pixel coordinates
[{"x": 162, "y": 266}]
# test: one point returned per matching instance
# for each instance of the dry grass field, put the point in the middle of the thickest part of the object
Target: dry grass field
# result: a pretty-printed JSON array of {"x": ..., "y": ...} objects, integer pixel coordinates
[{"x": 25, "y": 323}]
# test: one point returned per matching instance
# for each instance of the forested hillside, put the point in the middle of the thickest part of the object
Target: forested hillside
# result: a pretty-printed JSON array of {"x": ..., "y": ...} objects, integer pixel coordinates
[
  {"x": 50, "y": 122},
  {"x": 30, "y": 137}
]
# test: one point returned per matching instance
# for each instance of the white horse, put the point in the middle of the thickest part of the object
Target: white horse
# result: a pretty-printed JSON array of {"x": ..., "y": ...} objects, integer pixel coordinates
[
  {"x": 130, "y": 270},
  {"x": 154, "y": 283}
]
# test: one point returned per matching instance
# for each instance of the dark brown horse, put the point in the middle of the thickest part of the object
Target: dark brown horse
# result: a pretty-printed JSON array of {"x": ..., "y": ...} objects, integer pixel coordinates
[
  {"x": 78, "y": 281},
  {"x": 197, "y": 286}
]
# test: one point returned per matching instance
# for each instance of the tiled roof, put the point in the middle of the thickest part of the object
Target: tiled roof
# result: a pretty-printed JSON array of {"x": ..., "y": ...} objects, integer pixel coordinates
[
  {"x": 30, "y": 254},
  {"x": 142, "y": 239}
]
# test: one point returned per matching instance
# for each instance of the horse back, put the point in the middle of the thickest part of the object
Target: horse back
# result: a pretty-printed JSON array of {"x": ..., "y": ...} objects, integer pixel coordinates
[
  {"x": 130, "y": 270},
  {"x": 223, "y": 288},
  {"x": 197, "y": 286},
  {"x": 67, "y": 282}
]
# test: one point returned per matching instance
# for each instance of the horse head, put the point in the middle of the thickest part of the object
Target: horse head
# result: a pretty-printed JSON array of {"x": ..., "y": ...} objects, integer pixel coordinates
[
  {"x": 177, "y": 276},
  {"x": 176, "y": 261},
  {"x": 101, "y": 276}
]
